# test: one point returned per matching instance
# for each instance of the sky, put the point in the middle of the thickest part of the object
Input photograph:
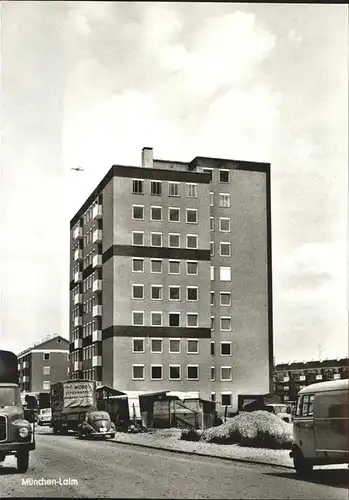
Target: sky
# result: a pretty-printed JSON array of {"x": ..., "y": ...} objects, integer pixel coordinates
[{"x": 90, "y": 84}]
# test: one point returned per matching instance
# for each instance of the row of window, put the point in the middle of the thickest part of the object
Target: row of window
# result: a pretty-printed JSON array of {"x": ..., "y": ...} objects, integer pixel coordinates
[
  {"x": 156, "y": 266},
  {"x": 173, "y": 239},
  {"x": 174, "y": 319},
  {"x": 156, "y": 214},
  {"x": 89, "y": 351},
  {"x": 175, "y": 346},
  {"x": 224, "y": 248},
  {"x": 88, "y": 214},
  {"x": 89, "y": 235},
  {"x": 156, "y": 372},
  {"x": 174, "y": 292}
]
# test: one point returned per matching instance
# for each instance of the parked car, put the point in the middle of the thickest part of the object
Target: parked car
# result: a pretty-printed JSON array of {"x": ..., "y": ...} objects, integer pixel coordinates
[
  {"x": 44, "y": 417},
  {"x": 97, "y": 424},
  {"x": 321, "y": 426},
  {"x": 281, "y": 410}
]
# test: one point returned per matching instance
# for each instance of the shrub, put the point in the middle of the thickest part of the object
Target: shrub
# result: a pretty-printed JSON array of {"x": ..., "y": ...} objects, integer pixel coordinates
[
  {"x": 259, "y": 429},
  {"x": 190, "y": 435}
]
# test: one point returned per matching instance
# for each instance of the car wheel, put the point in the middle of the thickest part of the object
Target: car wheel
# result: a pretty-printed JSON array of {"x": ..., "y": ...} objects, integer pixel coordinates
[
  {"x": 303, "y": 466},
  {"x": 23, "y": 461}
]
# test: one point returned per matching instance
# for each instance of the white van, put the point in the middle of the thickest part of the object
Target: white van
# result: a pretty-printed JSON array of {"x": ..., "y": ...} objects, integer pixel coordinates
[{"x": 320, "y": 426}]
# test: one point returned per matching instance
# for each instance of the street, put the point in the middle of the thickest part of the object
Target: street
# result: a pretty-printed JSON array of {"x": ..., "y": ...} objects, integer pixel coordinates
[{"x": 108, "y": 469}]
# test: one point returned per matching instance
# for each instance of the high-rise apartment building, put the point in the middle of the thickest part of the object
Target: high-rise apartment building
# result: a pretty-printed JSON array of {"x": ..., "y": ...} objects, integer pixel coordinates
[{"x": 170, "y": 279}]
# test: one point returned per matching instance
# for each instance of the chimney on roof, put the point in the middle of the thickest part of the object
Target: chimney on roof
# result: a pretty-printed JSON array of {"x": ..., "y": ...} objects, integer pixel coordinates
[{"x": 147, "y": 157}]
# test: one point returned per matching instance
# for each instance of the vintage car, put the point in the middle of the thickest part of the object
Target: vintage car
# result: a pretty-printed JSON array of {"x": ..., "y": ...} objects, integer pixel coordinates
[
  {"x": 97, "y": 424},
  {"x": 44, "y": 417}
]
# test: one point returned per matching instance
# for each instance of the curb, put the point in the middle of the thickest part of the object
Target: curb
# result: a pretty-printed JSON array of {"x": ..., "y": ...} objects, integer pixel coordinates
[{"x": 197, "y": 453}]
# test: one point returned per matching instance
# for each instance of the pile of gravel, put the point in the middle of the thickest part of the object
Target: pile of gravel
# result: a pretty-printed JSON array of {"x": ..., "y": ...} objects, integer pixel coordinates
[{"x": 258, "y": 429}]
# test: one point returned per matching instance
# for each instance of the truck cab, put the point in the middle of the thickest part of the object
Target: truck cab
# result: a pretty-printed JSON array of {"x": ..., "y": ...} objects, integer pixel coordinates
[{"x": 16, "y": 434}]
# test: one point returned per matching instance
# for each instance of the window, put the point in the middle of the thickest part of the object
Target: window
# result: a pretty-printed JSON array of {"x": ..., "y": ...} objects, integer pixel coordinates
[
  {"x": 212, "y": 248},
  {"x": 138, "y": 291},
  {"x": 174, "y": 214},
  {"x": 192, "y": 215},
  {"x": 174, "y": 292},
  {"x": 192, "y": 190},
  {"x": 156, "y": 239},
  {"x": 138, "y": 212},
  {"x": 174, "y": 266},
  {"x": 226, "y": 373},
  {"x": 155, "y": 213},
  {"x": 192, "y": 267},
  {"x": 192, "y": 293},
  {"x": 137, "y": 186},
  {"x": 192, "y": 346},
  {"x": 138, "y": 238},
  {"x": 155, "y": 266},
  {"x": 173, "y": 189},
  {"x": 225, "y": 249},
  {"x": 46, "y": 356},
  {"x": 226, "y": 398},
  {"x": 192, "y": 241},
  {"x": 174, "y": 372},
  {"x": 46, "y": 385},
  {"x": 208, "y": 171},
  {"x": 156, "y": 292},
  {"x": 212, "y": 298},
  {"x": 47, "y": 370},
  {"x": 224, "y": 200},
  {"x": 173, "y": 319},
  {"x": 156, "y": 318},
  {"x": 156, "y": 372},
  {"x": 193, "y": 372},
  {"x": 224, "y": 176},
  {"x": 213, "y": 373},
  {"x": 226, "y": 323},
  {"x": 138, "y": 372},
  {"x": 225, "y": 298},
  {"x": 224, "y": 224},
  {"x": 174, "y": 240},
  {"x": 211, "y": 199},
  {"x": 212, "y": 322},
  {"x": 137, "y": 265},
  {"x": 212, "y": 273},
  {"x": 213, "y": 397},
  {"x": 192, "y": 320},
  {"x": 156, "y": 345},
  {"x": 211, "y": 223},
  {"x": 174, "y": 346},
  {"x": 156, "y": 187},
  {"x": 138, "y": 318},
  {"x": 213, "y": 345},
  {"x": 306, "y": 405},
  {"x": 225, "y": 348},
  {"x": 225, "y": 273},
  {"x": 137, "y": 345}
]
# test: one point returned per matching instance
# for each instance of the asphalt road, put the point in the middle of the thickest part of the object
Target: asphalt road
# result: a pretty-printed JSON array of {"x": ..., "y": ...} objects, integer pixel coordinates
[{"x": 109, "y": 469}]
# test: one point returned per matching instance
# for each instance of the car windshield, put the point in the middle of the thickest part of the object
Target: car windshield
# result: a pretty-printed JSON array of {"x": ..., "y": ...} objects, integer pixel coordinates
[
  {"x": 10, "y": 396},
  {"x": 280, "y": 409},
  {"x": 46, "y": 412}
]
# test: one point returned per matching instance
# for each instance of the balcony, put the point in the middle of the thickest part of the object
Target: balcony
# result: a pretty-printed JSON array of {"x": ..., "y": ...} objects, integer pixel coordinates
[
  {"x": 96, "y": 335},
  {"x": 77, "y": 365},
  {"x": 78, "y": 277},
  {"x": 78, "y": 254},
  {"x": 97, "y": 212},
  {"x": 77, "y": 343},
  {"x": 97, "y": 236},
  {"x": 25, "y": 378},
  {"x": 319, "y": 377},
  {"x": 25, "y": 364},
  {"x": 77, "y": 233},
  {"x": 97, "y": 361},
  {"x": 77, "y": 299},
  {"x": 97, "y": 261},
  {"x": 97, "y": 310},
  {"x": 97, "y": 286},
  {"x": 77, "y": 321}
]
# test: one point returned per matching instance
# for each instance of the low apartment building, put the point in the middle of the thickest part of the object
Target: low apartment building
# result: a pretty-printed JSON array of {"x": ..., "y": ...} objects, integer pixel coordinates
[{"x": 43, "y": 364}]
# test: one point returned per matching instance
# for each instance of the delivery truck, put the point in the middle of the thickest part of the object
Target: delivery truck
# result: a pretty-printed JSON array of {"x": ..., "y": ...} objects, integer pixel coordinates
[
  {"x": 17, "y": 435},
  {"x": 71, "y": 400}
]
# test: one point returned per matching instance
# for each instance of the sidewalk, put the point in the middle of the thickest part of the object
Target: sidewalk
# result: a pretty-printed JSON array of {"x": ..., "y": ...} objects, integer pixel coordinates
[{"x": 168, "y": 439}]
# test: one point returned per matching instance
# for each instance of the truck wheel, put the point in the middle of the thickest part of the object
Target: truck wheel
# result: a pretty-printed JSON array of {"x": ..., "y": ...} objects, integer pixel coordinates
[
  {"x": 303, "y": 467},
  {"x": 23, "y": 461}
]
